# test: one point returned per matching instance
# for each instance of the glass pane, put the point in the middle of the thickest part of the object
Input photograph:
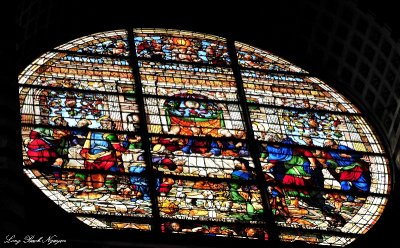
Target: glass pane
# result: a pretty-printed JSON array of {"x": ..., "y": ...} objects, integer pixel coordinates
[
  {"x": 65, "y": 108},
  {"x": 169, "y": 79},
  {"x": 314, "y": 238},
  {"x": 180, "y": 46},
  {"x": 80, "y": 72},
  {"x": 215, "y": 230},
  {"x": 207, "y": 200},
  {"x": 94, "y": 193},
  {"x": 81, "y": 149},
  {"x": 345, "y": 132},
  {"x": 325, "y": 168},
  {"x": 193, "y": 115},
  {"x": 308, "y": 208},
  {"x": 103, "y": 223},
  {"x": 104, "y": 43},
  {"x": 252, "y": 57},
  {"x": 203, "y": 158},
  {"x": 295, "y": 91}
]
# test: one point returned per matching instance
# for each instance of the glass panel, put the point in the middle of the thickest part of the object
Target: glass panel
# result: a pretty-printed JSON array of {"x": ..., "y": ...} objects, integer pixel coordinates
[
  {"x": 252, "y": 57},
  {"x": 330, "y": 169},
  {"x": 93, "y": 193},
  {"x": 294, "y": 91},
  {"x": 193, "y": 115},
  {"x": 169, "y": 79},
  {"x": 314, "y": 238},
  {"x": 319, "y": 128},
  {"x": 215, "y": 230},
  {"x": 180, "y": 46},
  {"x": 207, "y": 200},
  {"x": 64, "y": 108},
  {"x": 81, "y": 149},
  {"x": 310, "y": 208},
  {"x": 80, "y": 72},
  {"x": 104, "y": 43},
  {"x": 194, "y": 157},
  {"x": 103, "y": 223},
  {"x": 84, "y": 83}
]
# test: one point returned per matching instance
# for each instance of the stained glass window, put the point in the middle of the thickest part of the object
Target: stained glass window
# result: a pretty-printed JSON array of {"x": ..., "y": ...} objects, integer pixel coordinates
[{"x": 183, "y": 133}]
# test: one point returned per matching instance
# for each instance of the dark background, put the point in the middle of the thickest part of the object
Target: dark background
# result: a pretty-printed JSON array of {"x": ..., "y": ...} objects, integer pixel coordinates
[{"x": 287, "y": 28}]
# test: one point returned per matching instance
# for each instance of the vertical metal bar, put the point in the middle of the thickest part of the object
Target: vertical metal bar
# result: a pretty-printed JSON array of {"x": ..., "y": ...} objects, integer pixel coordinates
[
  {"x": 133, "y": 60},
  {"x": 252, "y": 143}
]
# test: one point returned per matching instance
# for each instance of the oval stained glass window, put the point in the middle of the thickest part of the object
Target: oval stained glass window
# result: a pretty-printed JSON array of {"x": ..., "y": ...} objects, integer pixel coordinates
[{"x": 188, "y": 133}]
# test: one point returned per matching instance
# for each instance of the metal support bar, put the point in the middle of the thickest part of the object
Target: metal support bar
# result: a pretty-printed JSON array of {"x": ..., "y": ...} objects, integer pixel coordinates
[
  {"x": 145, "y": 134},
  {"x": 253, "y": 148}
]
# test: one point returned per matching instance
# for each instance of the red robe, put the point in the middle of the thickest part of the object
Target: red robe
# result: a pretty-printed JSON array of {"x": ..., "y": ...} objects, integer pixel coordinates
[{"x": 39, "y": 150}]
